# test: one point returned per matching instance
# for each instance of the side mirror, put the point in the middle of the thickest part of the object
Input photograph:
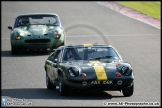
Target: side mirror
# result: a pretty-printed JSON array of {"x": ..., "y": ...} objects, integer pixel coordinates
[
  {"x": 55, "y": 60},
  {"x": 9, "y": 27},
  {"x": 55, "y": 63}
]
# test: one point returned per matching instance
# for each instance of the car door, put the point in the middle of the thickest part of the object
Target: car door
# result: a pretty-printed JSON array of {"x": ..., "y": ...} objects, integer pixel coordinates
[
  {"x": 54, "y": 65},
  {"x": 48, "y": 65}
]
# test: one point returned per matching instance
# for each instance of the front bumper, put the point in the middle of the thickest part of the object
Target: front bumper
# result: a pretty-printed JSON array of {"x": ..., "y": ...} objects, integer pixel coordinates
[
  {"x": 100, "y": 85},
  {"x": 37, "y": 43}
]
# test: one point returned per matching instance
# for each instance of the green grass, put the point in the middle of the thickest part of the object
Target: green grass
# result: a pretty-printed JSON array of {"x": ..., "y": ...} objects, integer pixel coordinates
[{"x": 151, "y": 8}]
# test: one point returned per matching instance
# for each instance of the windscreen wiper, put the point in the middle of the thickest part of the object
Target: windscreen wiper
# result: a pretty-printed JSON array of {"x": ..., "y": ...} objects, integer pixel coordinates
[{"x": 100, "y": 57}]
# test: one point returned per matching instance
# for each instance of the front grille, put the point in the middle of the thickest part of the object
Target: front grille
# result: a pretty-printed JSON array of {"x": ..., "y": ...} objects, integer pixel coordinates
[{"x": 37, "y": 41}]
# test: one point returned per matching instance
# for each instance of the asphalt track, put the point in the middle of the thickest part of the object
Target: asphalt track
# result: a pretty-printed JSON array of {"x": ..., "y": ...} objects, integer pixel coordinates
[{"x": 23, "y": 75}]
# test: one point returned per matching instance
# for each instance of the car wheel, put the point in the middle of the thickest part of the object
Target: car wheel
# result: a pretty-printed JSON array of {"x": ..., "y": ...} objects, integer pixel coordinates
[
  {"x": 128, "y": 91},
  {"x": 14, "y": 50},
  {"x": 64, "y": 90},
  {"x": 62, "y": 44},
  {"x": 49, "y": 84}
]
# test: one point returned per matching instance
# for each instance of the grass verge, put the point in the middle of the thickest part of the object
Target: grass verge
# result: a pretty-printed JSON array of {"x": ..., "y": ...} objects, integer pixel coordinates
[{"x": 150, "y": 8}]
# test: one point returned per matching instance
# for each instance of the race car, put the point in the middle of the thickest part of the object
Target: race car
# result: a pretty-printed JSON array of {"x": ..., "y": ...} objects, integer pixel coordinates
[
  {"x": 37, "y": 31},
  {"x": 88, "y": 66}
]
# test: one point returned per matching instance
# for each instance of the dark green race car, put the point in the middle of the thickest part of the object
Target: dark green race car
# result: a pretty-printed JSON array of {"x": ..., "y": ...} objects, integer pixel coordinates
[
  {"x": 37, "y": 31},
  {"x": 88, "y": 66}
]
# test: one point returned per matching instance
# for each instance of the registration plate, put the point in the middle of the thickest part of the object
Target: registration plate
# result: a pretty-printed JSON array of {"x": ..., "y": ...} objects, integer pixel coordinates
[
  {"x": 108, "y": 82},
  {"x": 37, "y": 37}
]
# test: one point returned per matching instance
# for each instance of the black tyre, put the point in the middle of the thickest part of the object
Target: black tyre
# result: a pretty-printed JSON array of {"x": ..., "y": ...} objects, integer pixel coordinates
[
  {"x": 14, "y": 50},
  {"x": 49, "y": 84},
  {"x": 62, "y": 44},
  {"x": 64, "y": 90},
  {"x": 128, "y": 91}
]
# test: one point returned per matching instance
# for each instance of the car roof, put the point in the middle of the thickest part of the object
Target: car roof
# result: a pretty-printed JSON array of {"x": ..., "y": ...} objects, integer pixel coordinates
[
  {"x": 28, "y": 14},
  {"x": 85, "y": 45},
  {"x": 88, "y": 45}
]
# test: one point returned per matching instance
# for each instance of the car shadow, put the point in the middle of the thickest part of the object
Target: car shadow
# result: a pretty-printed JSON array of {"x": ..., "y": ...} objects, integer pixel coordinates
[
  {"x": 44, "y": 93},
  {"x": 24, "y": 53}
]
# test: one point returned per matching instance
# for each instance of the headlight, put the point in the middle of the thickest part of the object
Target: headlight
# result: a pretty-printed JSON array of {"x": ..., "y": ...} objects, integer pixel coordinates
[
  {"x": 57, "y": 35},
  {"x": 126, "y": 70},
  {"x": 74, "y": 71},
  {"x": 18, "y": 36}
]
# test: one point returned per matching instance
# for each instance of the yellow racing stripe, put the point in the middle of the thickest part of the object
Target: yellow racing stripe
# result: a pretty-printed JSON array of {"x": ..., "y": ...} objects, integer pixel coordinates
[
  {"x": 88, "y": 45},
  {"x": 100, "y": 73},
  {"x": 99, "y": 70}
]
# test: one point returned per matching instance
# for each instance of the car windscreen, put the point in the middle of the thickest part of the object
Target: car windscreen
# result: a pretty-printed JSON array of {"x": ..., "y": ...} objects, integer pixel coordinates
[
  {"x": 88, "y": 53},
  {"x": 37, "y": 19}
]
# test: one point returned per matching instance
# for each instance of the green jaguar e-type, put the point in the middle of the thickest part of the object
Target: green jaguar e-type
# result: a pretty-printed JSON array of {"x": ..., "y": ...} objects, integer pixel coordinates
[{"x": 37, "y": 31}]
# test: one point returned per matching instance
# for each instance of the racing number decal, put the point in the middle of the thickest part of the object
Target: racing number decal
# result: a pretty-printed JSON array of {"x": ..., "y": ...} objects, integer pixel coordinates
[{"x": 100, "y": 71}]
